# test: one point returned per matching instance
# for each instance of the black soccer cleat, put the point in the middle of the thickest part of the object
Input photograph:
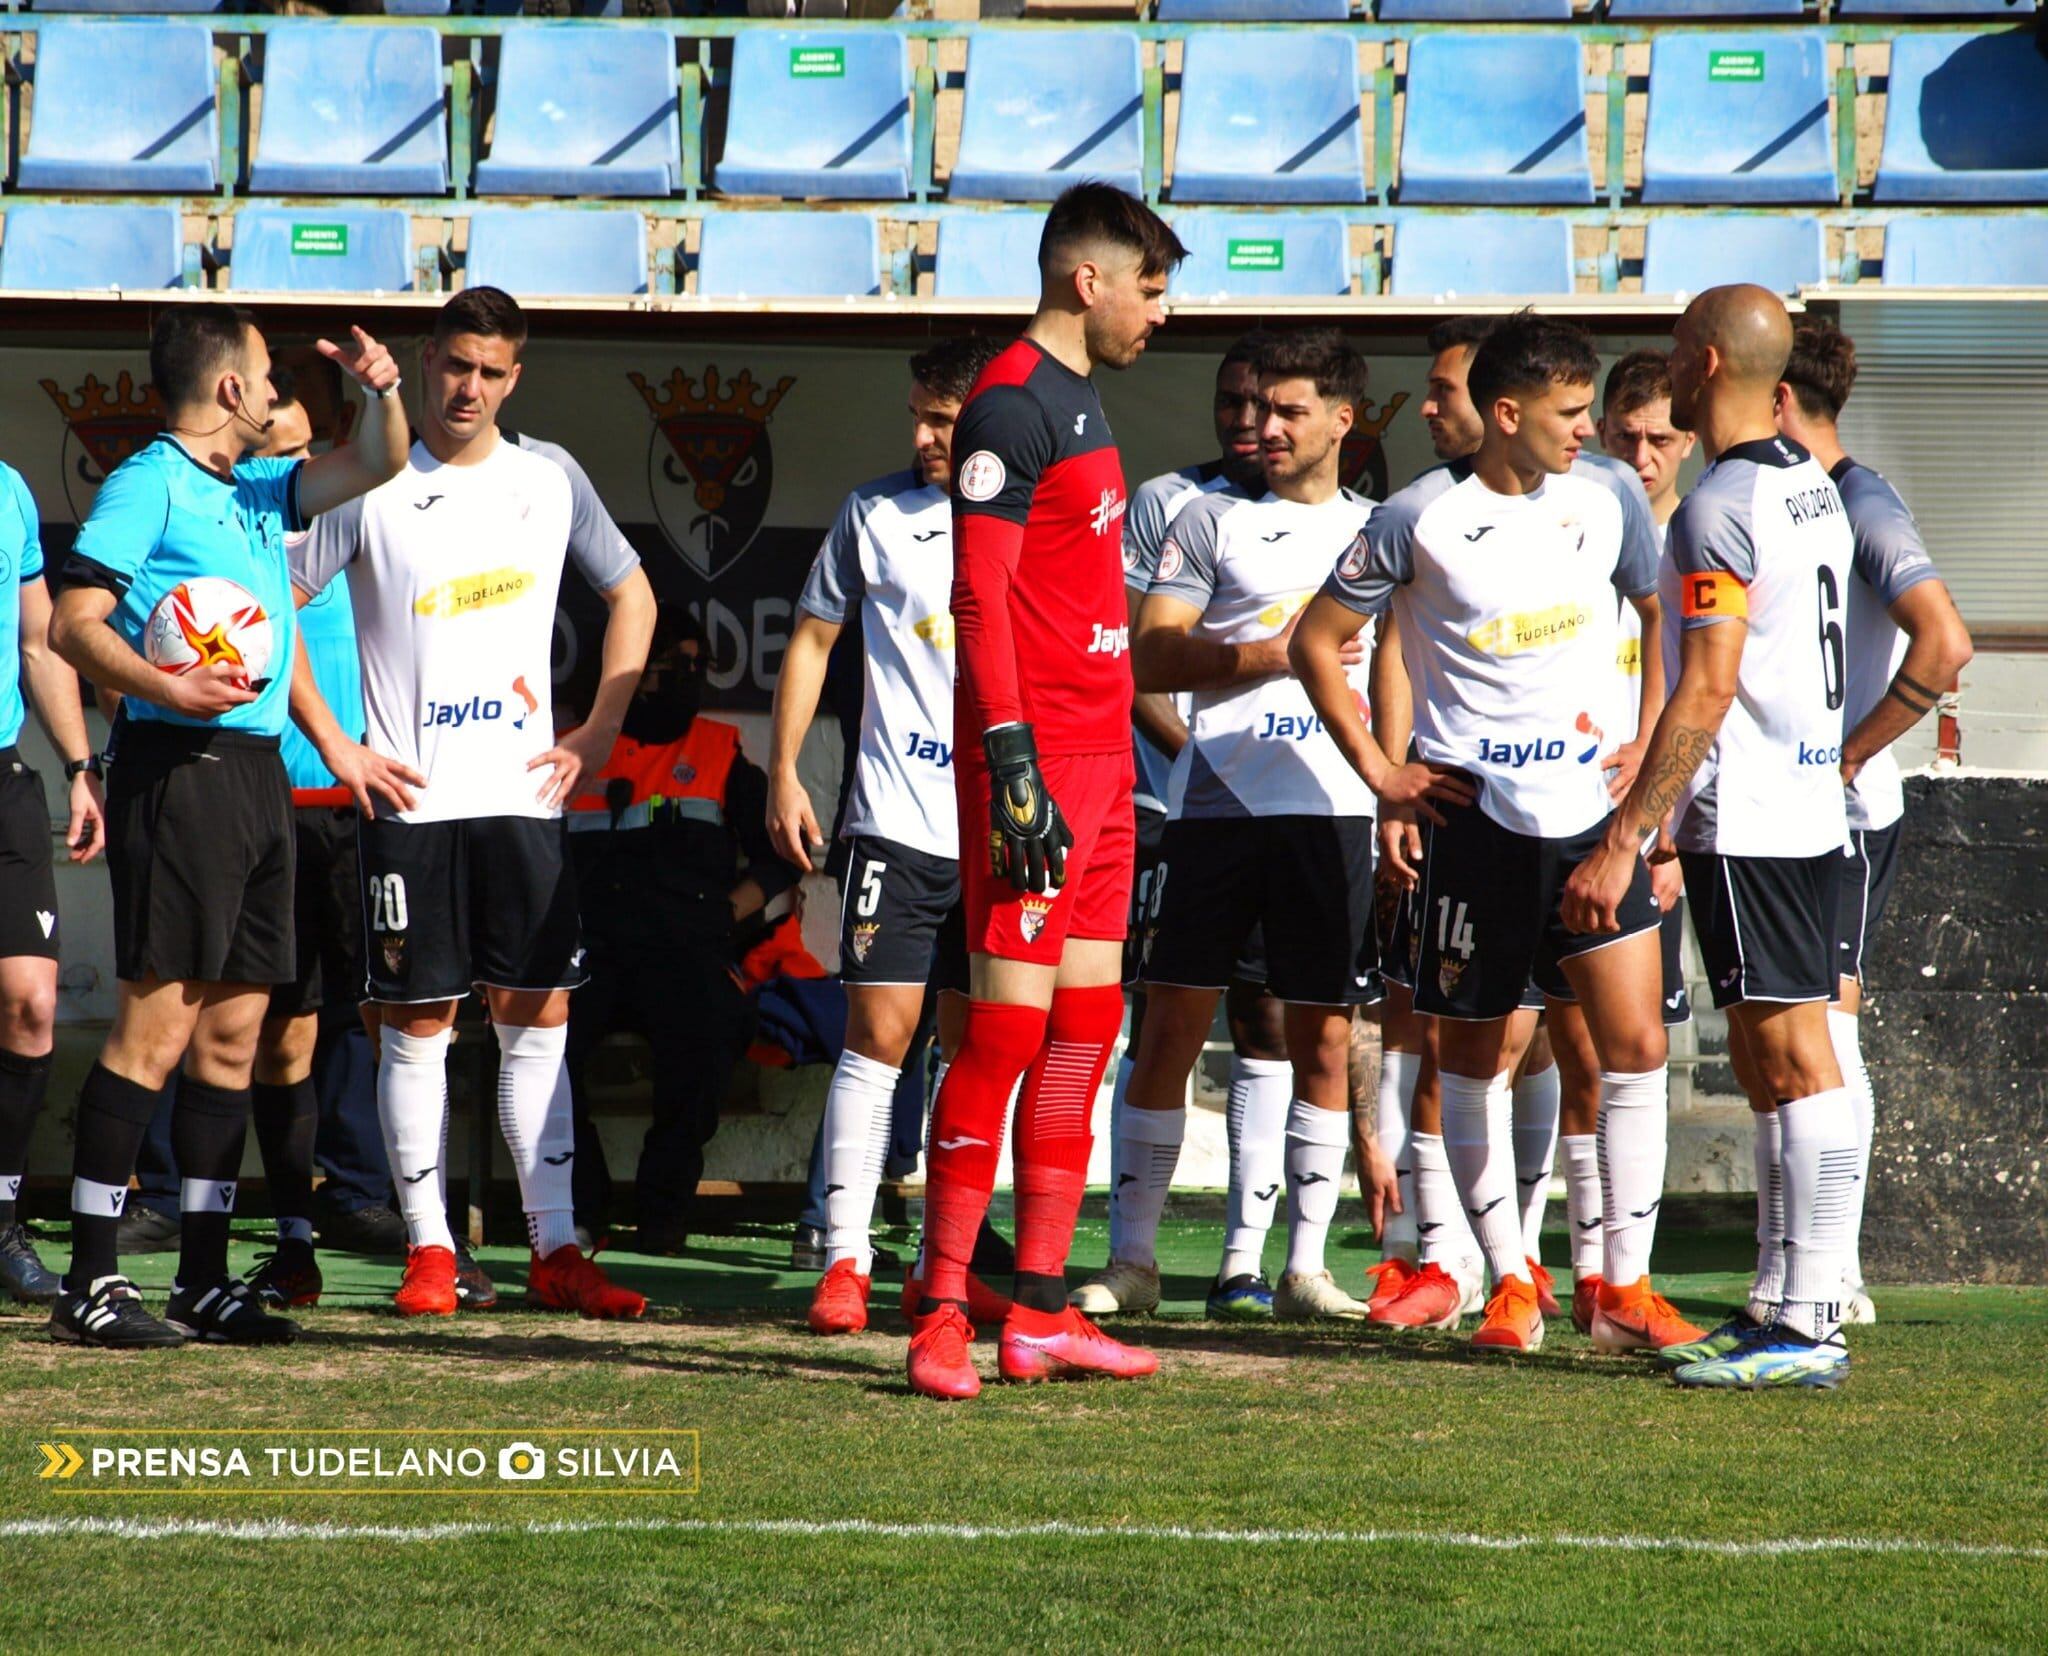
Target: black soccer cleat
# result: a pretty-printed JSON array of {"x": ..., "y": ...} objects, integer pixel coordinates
[
  {"x": 227, "y": 1312},
  {"x": 111, "y": 1316},
  {"x": 24, "y": 1278},
  {"x": 474, "y": 1289},
  {"x": 288, "y": 1277}
]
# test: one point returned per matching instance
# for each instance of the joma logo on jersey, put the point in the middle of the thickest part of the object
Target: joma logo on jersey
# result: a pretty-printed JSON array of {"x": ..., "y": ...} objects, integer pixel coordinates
[
  {"x": 1515, "y": 755},
  {"x": 928, "y": 748},
  {"x": 1818, "y": 754},
  {"x": 1287, "y": 727},
  {"x": 1507, "y": 635},
  {"x": 469, "y": 593},
  {"x": 935, "y": 630},
  {"x": 1109, "y": 641},
  {"x": 1108, "y": 510}
]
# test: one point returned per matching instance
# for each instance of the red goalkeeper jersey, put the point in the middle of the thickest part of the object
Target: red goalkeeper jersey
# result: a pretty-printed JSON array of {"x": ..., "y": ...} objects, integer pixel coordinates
[{"x": 1040, "y": 627}]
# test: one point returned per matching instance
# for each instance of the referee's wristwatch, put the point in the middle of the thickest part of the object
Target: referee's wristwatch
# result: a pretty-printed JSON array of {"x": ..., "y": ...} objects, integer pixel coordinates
[{"x": 73, "y": 768}]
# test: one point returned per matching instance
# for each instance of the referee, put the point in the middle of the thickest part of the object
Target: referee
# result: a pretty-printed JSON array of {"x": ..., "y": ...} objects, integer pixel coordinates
[{"x": 199, "y": 824}]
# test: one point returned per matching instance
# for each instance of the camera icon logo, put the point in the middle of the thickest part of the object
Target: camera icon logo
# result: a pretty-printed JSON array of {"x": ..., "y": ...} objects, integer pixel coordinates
[{"x": 521, "y": 1463}]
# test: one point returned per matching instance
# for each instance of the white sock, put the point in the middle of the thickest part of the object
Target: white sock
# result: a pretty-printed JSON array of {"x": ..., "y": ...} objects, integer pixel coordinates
[
  {"x": 1397, "y": 1096},
  {"x": 857, "y": 1110},
  {"x": 534, "y": 1115},
  {"x": 1142, "y": 1161},
  {"x": 1819, "y": 1154},
  {"x": 412, "y": 1104},
  {"x": 1118, "y": 1090},
  {"x": 1535, "y": 1129},
  {"x": 1478, "y": 1139},
  {"x": 1316, "y": 1142},
  {"x": 1261, "y": 1092},
  {"x": 1767, "y": 1290},
  {"x": 1842, "y": 1026},
  {"x": 1583, "y": 1203},
  {"x": 1444, "y": 1233},
  {"x": 1634, "y": 1110}
]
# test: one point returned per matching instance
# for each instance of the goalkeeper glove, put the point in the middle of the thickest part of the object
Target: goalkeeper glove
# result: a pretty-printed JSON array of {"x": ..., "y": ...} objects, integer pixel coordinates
[{"x": 1028, "y": 839}]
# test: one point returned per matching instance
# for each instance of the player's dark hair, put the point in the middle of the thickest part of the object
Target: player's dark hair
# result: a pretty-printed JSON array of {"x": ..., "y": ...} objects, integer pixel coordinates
[
  {"x": 191, "y": 346},
  {"x": 1093, "y": 212},
  {"x": 950, "y": 368},
  {"x": 284, "y": 386},
  {"x": 1526, "y": 353},
  {"x": 1822, "y": 370},
  {"x": 1636, "y": 381},
  {"x": 1317, "y": 354},
  {"x": 487, "y": 311},
  {"x": 1245, "y": 348},
  {"x": 1467, "y": 331}
]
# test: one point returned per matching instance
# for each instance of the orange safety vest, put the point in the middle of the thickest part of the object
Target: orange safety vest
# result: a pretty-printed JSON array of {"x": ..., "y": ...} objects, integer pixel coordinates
[{"x": 684, "y": 779}]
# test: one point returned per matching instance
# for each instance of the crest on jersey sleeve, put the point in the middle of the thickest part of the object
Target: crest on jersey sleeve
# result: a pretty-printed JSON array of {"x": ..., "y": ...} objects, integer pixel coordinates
[{"x": 710, "y": 466}]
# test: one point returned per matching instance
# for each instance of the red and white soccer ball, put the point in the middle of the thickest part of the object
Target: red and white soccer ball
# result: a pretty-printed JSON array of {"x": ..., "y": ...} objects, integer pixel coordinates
[{"x": 207, "y": 619}]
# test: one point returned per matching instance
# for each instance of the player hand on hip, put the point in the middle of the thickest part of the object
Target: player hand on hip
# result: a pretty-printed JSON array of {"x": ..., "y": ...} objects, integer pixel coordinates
[
  {"x": 1621, "y": 766},
  {"x": 371, "y": 776},
  {"x": 85, "y": 836},
  {"x": 1028, "y": 839},
  {"x": 367, "y": 362},
  {"x": 584, "y": 749},
  {"x": 1416, "y": 783}
]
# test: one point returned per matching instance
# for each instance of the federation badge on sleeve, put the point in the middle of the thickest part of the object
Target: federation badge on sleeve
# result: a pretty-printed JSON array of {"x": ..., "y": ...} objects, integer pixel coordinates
[{"x": 982, "y": 477}]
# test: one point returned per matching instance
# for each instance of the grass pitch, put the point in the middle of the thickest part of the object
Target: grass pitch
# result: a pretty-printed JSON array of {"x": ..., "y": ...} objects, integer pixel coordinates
[{"x": 1272, "y": 1487}]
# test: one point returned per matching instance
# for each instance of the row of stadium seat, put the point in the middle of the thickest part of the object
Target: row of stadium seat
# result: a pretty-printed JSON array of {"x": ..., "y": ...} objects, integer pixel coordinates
[
  {"x": 606, "y": 251},
  {"x": 1263, "y": 116},
  {"x": 1242, "y": 11}
]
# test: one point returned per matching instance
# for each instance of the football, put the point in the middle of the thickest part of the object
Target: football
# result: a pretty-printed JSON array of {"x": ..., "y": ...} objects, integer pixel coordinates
[{"x": 207, "y": 619}]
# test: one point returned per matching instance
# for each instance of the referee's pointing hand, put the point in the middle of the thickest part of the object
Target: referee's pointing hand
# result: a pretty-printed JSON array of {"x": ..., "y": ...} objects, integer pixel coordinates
[{"x": 363, "y": 359}]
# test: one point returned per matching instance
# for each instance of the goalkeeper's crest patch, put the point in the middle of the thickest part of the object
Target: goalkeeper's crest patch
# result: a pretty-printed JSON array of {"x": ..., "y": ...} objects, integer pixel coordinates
[{"x": 1031, "y": 921}]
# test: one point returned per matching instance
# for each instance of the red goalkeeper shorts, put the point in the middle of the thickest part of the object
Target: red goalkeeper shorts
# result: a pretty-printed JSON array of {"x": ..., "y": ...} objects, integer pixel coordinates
[{"x": 1093, "y": 792}]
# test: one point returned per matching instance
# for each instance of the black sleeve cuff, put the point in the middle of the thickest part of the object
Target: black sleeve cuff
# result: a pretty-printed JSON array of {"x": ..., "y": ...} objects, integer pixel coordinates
[{"x": 76, "y": 570}]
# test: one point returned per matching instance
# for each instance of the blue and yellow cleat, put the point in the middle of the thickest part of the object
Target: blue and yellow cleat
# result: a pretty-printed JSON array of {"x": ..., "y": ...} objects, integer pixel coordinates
[
  {"x": 1241, "y": 1299},
  {"x": 1771, "y": 1357},
  {"x": 1723, "y": 1340}
]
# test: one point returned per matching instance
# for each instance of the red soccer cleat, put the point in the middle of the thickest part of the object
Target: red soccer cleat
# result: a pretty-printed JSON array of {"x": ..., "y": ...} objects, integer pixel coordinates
[
  {"x": 840, "y": 1303},
  {"x": 1585, "y": 1300},
  {"x": 1512, "y": 1321},
  {"x": 1064, "y": 1345},
  {"x": 1546, "y": 1290},
  {"x": 1635, "y": 1317},
  {"x": 1386, "y": 1281},
  {"x": 429, "y": 1286},
  {"x": 1433, "y": 1298},
  {"x": 985, "y": 1307},
  {"x": 938, "y": 1363},
  {"x": 567, "y": 1281}
]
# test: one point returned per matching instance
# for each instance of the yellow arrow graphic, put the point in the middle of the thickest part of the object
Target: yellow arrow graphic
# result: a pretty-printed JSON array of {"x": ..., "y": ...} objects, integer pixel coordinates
[{"x": 60, "y": 1460}]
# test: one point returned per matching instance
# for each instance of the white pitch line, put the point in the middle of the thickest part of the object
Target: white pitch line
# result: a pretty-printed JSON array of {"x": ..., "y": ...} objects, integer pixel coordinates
[{"x": 281, "y": 1529}]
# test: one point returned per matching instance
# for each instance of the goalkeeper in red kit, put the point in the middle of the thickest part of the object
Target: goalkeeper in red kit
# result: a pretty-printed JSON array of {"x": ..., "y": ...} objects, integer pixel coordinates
[{"x": 1047, "y": 837}]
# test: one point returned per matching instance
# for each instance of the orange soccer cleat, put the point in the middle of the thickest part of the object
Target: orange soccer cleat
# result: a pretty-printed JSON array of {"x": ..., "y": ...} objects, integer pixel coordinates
[
  {"x": 938, "y": 1363},
  {"x": 1386, "y": 1281},
  {"x": 1513, "y": 1320},
  {"x": 1433, "y": 1298},
  {"x": 1546, "y": 1290},
  {"x": 1635, "y": 1317},
  {"x": 568, "y": 1281},
  {"x": 428, "y": 1289},
  {"x": 1065, "y": 1345},
  {"x": 985, "y": 1306},
  {"x": 1585, "y": 1300},
  {"x": 839, "y": 1305}
]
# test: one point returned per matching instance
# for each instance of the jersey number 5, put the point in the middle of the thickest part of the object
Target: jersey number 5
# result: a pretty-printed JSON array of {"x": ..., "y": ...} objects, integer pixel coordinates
[
  {"x": 1831, "y": 637},
  {"x": 870, "y": 897}
]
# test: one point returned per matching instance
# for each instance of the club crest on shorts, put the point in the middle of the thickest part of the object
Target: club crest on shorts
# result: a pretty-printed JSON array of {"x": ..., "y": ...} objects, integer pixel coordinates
[
  {"x": 394, "y": 955},
  {"x": 1031, "y": 920},
  {"x": 1447, "y": 974},
  {"x": 864, "y": 939}
]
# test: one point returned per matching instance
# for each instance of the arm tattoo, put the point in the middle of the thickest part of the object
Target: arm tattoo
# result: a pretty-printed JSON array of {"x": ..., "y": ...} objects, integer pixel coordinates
[
  {"x": 1906, "y": 698},
  {"x": 1914, "y": 685},
  {"x": 1689, "y": 746}
]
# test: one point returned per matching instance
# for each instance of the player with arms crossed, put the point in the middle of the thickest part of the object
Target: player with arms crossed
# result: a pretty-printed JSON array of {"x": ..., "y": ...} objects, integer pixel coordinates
[
  {"x": 453, "y": 570},
  {"x": 890, "y": 553},
  {"x": 199, "y": 819},
  {"x": 1043, "y": 748},
  {"x": 1501, "y": 572},
  {"x": 1744, "y": 761}
]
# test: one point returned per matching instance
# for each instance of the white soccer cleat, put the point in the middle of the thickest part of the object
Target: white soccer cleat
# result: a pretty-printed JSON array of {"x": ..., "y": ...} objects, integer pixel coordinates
[
  {"x": 1302, "y": 1296},
  {"x": 1120, "y": 1288},
  {"x": 1858, "y": 1309}
]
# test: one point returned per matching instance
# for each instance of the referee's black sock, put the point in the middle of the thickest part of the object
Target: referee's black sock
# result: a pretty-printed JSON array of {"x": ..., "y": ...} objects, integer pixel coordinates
[
  {"x": 209, "y": 1126},
  {"x": 113, "y": 1116},
  {"x": 22, "y": 1084},
  {"x": 286, "y": 1117}
]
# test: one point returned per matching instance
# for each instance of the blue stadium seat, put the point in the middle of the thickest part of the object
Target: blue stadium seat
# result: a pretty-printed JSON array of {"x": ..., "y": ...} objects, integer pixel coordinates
[
  {"x": 351, "y": 111},
  {"x": 1254, "y": 11},
  {"x": 542, "y": 250},
  {"x": 1957, "y": 250},
  {"x": 788, "y": 256},
  {"x": 583, "y": 111},
  {"x": 817, "y": 114},
  {"x": 1472, "y": 254},
  {"x": 123, "y": 106},
  {"x": 1933, "y": 8},
  {"x": 1629, "y": 11},
  {"x": 987, "y": 256},
  {"x": 1048, "y": 108},
  {"x": 1256, "y": 255},
  {"x": 53, "y": 246},
  {"x": 1475, "y": 11},
  {"x": 1496, "y": 118},
  {"x": 1269, "y": 115},
  {"x": 1739, "y": 118},
  {"x": 1966, "y": 120},
  {"x": 321, "y": 249},
  {"x": 1690, "y": 255},
  {"x": 130, "y": 7},
  {"x": 417, "y": 8}
]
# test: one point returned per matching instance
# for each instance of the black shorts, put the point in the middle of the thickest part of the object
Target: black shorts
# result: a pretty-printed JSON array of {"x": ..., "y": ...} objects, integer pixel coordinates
[
  {"x": 894, "y": 903},
  {"x": 1306, "y": 882},
  {"x": 28, "y": 886},
  {"x": 1151, "y": 830},
  {"x": 1488, "y": 913},
  {"x": 486, "y": 900},
  {"x": 1676, "y": 997},
  {"x": 1766, "y": 925},
  {"x": 1869, "y": 865},
  {"x": 199, "y": 849},
  {"x": 1400, "y": 942},
  {"x": 327, "y": 914}
]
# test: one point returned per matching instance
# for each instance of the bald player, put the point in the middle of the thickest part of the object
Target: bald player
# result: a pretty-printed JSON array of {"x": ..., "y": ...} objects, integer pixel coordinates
[{"x": 1743, "y": 773}]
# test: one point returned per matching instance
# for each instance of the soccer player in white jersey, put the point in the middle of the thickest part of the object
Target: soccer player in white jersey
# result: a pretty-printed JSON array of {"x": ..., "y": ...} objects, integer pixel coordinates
[
  {"x": 1501, "y": 571},
  {"x": 1904, "y": 642},
  {"x": 1266, "y": 826},
  {"x": 454, "y": 566},
  {"x": 1746, "y": 761},
  {"x": 889, "y": 556}
]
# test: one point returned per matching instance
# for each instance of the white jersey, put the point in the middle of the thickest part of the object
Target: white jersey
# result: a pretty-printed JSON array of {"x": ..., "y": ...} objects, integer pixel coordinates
[
  {"x": 890, "y": 551},
  {"x": 1506, "y": 607},
  {"x": 1763, "y": 537},
  {"x": 453, "y": 576},
  {"x": 1625, "y": 722},
  {"x": 1258, "y": 748},
  {"x": 1889, "y": 560}
]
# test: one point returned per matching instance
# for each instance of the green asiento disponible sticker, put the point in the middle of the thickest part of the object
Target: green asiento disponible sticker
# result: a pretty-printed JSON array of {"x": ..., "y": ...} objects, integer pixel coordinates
[
  {"x": 1264, "y": 253},
  {"x": 1735, "y": 66},
  {"x": 817, "y": 62},
  {"x": 320, "y": 240}
]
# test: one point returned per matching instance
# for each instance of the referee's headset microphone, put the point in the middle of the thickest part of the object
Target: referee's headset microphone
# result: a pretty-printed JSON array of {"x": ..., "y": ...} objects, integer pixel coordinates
[{"x": 235, "y": 393}]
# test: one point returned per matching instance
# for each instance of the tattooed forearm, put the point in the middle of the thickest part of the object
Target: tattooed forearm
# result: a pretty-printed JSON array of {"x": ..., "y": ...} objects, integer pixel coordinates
[{"x": 1664, "y": 781}]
